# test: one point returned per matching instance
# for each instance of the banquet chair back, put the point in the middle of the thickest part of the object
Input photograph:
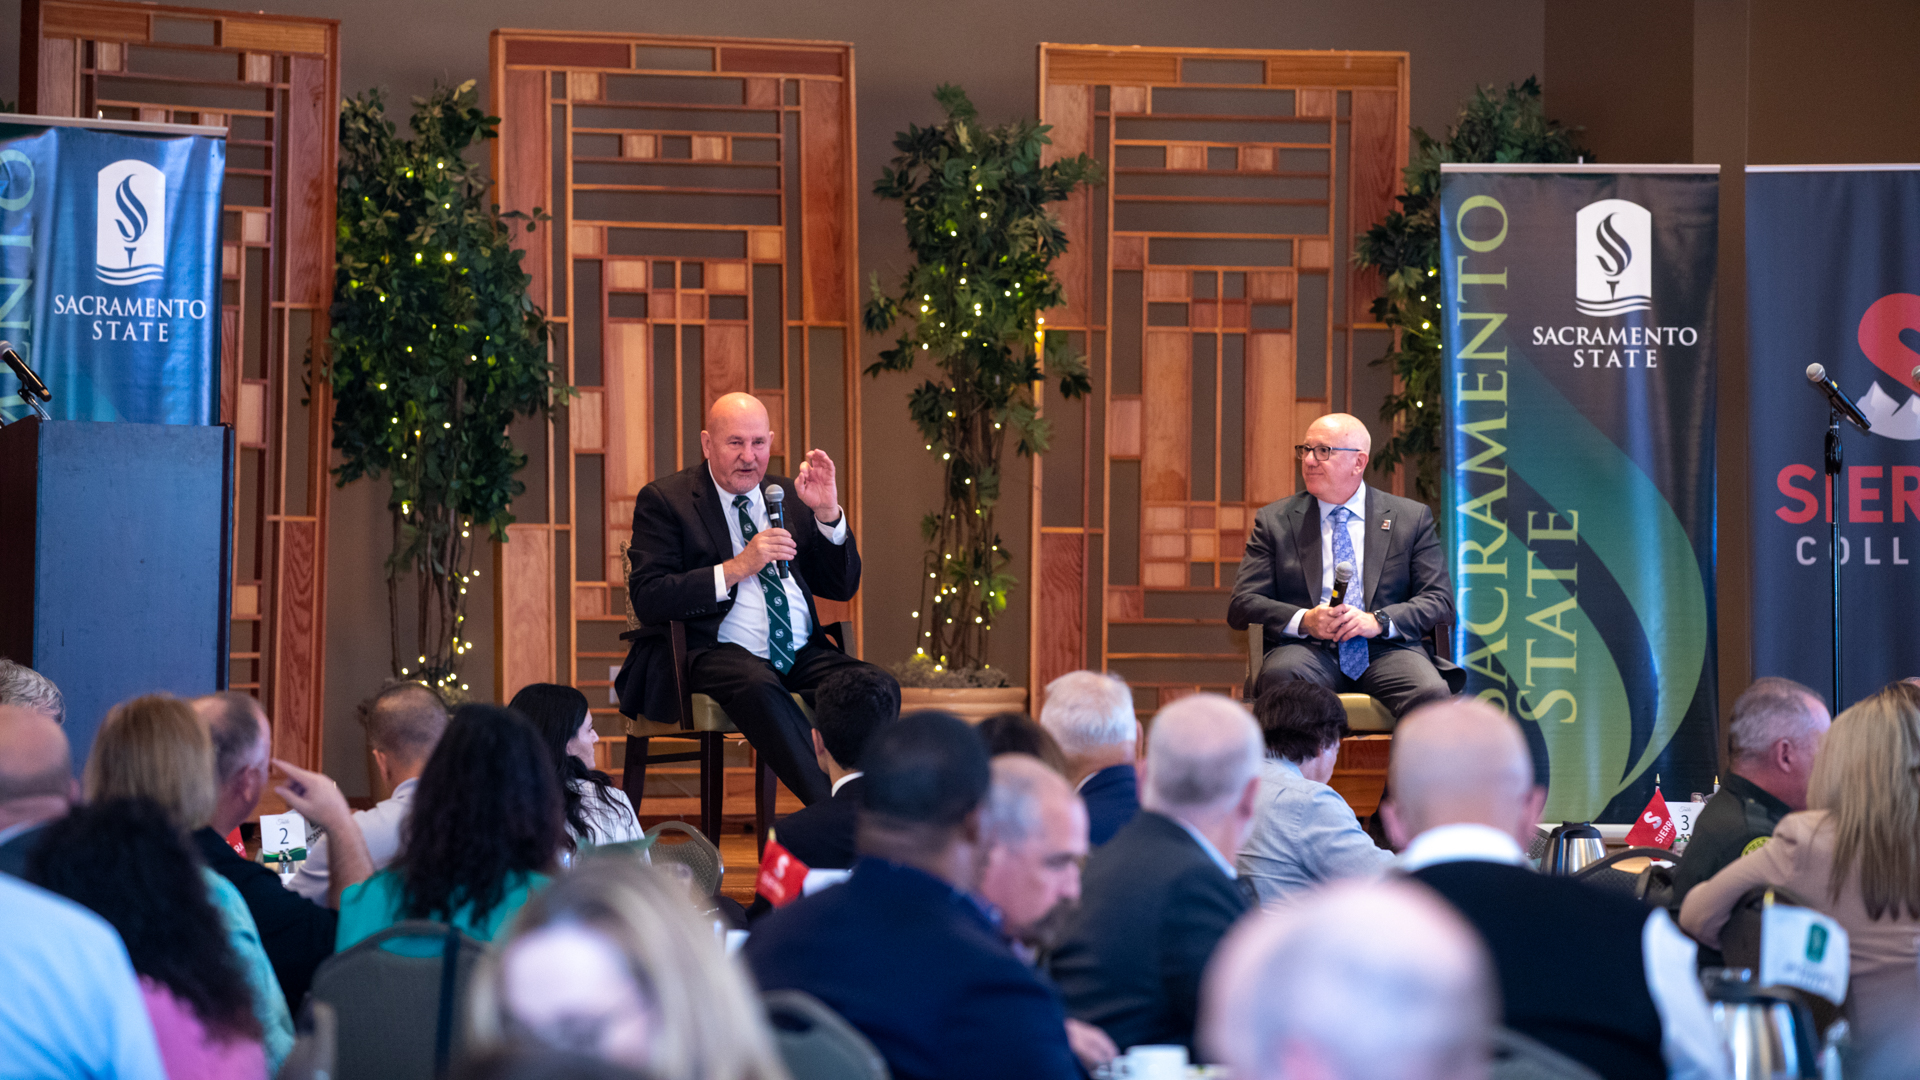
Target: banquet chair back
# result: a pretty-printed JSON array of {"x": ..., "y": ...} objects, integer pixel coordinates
[
  {"x": 816, "y": 1044},
  {"x": 396, "y": 997}
]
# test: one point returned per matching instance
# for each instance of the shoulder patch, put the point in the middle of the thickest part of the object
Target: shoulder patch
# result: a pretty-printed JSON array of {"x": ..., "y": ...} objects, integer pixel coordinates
[{"x": 1755, "y": 844}]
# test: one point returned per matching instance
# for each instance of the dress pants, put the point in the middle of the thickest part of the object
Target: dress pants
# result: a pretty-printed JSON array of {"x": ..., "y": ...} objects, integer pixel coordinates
[
  {"x": 758, "y": 700},
  {"x": 1400, "y": 678}
]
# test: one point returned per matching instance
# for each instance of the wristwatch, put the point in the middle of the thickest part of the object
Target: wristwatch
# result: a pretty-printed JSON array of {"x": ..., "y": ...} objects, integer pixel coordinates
[{"x": 1386, "y": 623}]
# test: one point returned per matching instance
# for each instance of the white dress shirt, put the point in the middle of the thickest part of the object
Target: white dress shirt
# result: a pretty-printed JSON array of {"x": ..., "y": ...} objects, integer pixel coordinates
[
  {"x": 1688, "y": 1034},
  {"x": 380, "y": 825},
  {"x": 844, "y": 781},
  {"x": 1357, "y": 532},
  {"x": 746, "y": 624}
]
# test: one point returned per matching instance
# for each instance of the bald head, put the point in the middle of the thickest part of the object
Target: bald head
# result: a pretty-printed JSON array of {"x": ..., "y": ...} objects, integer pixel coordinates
[
  {"x": 1337, "y": 478},
  {"x": 1461, "y": 761},
  {"x": 1373, "y": 981},
  {"x": 1342, "y": 429},
  {"x": 737, "y": 441},
  {"x": 36, "y": 767},
  {"x": 1203, "y": 752}
]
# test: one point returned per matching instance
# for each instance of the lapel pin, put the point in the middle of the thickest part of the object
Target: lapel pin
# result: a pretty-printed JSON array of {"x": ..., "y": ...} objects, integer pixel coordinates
[{"x": 1385, "y": 524}]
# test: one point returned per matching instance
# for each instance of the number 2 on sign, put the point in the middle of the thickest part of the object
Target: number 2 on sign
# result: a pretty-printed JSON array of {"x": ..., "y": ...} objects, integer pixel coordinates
[{"x": 282, "y": 832}]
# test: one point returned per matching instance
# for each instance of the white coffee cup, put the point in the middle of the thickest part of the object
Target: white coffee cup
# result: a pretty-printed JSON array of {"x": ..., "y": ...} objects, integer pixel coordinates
[{"x": 1157, "y": 1063}]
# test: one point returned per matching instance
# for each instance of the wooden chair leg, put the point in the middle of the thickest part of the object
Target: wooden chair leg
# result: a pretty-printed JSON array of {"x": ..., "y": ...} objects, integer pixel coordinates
[
  {"x": 633, "y": 780},
  {"x": 713, "y": 783},
  {"x": 765, "y": 792}
]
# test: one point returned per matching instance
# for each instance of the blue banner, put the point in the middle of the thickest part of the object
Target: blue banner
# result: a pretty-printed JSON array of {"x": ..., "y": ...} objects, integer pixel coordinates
[
  {"x": 1580, "y": 469},
  {"x": 110, "y": 270},
  {"x": 1832, "y": 280}
]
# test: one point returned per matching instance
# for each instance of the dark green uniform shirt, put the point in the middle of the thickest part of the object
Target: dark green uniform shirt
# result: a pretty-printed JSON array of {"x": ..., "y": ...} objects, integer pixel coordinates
[{"x": 1738, "y": 818}]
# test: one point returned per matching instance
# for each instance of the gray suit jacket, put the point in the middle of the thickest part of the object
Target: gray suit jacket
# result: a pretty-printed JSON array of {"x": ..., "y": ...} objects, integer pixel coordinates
[{"x": 1304, "y": 834}]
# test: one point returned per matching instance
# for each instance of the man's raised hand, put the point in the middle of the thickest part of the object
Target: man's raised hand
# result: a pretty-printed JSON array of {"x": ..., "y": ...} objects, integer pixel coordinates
[{"x": 816, "y": 486}]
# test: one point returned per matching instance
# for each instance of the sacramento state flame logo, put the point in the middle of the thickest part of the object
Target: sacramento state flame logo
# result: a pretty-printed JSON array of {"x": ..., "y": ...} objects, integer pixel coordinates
[
  {"x": 1614, "y": 249},
  {"x": 130, "y": 229}
]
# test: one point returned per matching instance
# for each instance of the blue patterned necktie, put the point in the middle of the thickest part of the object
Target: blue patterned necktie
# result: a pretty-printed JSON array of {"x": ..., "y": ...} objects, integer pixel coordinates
[
  {"x": 779, "y": 629},
  {"x": 1353, "y": 651}
]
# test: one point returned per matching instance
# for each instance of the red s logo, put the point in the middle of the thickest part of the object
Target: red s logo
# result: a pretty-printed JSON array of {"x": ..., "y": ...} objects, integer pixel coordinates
[{"x": 1880, "y": 331}]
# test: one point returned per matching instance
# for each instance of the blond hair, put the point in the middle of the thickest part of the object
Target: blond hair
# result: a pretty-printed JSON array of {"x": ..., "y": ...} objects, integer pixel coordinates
[
  {"x": 710, "y": 1024},
  {"x": 155, "y": 747},
  {"x": 1867, "y": 778}
]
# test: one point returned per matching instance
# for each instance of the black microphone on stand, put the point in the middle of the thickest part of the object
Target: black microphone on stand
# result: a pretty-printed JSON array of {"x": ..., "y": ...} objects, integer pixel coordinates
[
  {"x": 1342, "y": 577},
  {"x": 1837, "y": 398},
  {"x": 1915, "y": 378},
  {"x": 32, "y": 390},
  {"x": 777, "y": 516}
]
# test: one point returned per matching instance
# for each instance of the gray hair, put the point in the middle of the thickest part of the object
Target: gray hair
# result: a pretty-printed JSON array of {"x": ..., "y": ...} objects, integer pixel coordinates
[
  {"x": 1020, "y": 783},
  {"x": 233, "y": 724},
  {"x": 1201, "y": 752},
  {"x": 1088, "y": 711},
  {"x": 1378, "y": 980},
  {"x": 23, "y": 686},
  {"x": 1768, "y": 711}
]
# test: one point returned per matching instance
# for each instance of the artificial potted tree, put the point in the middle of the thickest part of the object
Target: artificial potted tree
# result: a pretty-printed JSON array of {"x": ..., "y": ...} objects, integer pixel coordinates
[{"x": 972, "y": 307}]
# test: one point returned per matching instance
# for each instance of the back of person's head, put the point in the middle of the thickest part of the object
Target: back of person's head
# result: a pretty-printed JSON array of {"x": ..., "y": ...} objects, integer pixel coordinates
[
  {"x": 1089, "y": 711},
  {"x": 123, "y": 859},
  {"x": 1299, "y": 719},
  {"x": 154, "y": 747},
  {"x": 35, "y": 762},
  {"x": 928, "y": 772},
  {"x": 23, "y": 686},
  {"x": 1202, "y": 752},
  {"x": 1867, "y": 778},
  {"x": 615, "y": 948},
  {"x": 1770, "y": 710},
  {"x": 1018, "y": 733},
  {"x": 1460, "y": 761},
  {"x": 405, "y": 721},
  {"x": 488, "y": 806},
  {"x": 1358, "y": 981},
  {"x": 233, "y": 723},
  {"x": 849, "y": 706}
]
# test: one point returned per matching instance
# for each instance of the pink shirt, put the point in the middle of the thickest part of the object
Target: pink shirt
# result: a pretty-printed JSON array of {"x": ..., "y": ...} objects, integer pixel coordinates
[{"x": 185, "y": 1048}]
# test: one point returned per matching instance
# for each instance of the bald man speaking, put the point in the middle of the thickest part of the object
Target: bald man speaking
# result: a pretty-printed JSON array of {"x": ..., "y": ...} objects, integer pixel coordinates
[
  {"x": 704, "y": 553},
  {"x": 1374, "y": 642}
]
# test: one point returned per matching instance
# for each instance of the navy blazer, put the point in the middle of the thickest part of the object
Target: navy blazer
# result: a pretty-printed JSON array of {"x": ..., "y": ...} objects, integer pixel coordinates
[
  {"x": 1112, "y": 796},
  {"x": 920, "y": 968},
  {"x": 1153, "y": 905},
  {"x": 822, "y": 835}
]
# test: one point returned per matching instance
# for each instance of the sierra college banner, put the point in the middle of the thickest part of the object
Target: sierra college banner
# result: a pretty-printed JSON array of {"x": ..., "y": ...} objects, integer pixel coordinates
[
  {"x": 1580, "y": 469},
  {"x": 1832, "y": 280},
  {"x": 110, "y": 269}
]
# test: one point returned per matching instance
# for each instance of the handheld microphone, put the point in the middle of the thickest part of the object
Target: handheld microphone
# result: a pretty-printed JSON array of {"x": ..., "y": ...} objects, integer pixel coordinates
[
  {"x": 1342, "y": 578},
  {"x": 777, "y": 515},
  {"x": 1915, "y": 378},
  {"x": 1837, "y": 398},
  {"x": 32, "y": 390}
]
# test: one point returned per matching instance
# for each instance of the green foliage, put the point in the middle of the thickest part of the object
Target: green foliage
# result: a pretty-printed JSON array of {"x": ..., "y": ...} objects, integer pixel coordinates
[
  {"x": 1507, "y": 126},
  {"x": 435, "y": 348},
  {"x": 983, "y": 242}
]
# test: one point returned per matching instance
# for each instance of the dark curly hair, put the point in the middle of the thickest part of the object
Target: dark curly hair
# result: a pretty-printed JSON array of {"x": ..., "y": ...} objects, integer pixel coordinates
[
  {"x": 487, "y": 806},
  {"x": 556, "y": 712},
  {"x": 1299, "y": 719},
  {"x": 124, "y": 860}
]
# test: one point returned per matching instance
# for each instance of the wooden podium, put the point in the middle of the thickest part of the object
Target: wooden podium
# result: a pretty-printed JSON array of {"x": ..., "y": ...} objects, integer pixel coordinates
[{"x": 114, "y": 560}]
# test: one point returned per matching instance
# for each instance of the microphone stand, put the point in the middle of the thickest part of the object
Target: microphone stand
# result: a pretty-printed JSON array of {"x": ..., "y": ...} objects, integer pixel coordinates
[{"x": 1835, "y": 454}]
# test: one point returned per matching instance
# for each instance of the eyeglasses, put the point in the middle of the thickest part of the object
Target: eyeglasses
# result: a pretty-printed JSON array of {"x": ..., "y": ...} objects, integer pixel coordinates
[{"x": 1321, "y": 452}]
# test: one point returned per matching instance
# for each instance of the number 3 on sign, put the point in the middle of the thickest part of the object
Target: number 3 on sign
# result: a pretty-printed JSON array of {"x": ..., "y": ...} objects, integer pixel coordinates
[{"x": 282, "y": 832}]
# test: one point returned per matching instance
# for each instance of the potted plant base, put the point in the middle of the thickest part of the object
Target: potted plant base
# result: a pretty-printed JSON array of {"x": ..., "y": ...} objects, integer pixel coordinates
[{"x": 972, "y": 694}]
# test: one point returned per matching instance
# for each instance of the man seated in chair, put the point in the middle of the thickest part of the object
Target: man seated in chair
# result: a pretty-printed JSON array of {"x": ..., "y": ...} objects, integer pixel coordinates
[
  {"x": 1374, "y": 642},
  {"x": 704, "y": 554}
]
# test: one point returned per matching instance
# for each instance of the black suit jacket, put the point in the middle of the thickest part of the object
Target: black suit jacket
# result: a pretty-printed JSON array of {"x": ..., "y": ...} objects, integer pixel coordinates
[
  {"x": 679, "y": 536},
  {"x": 296, "y": 932},
  {"x": 1112, "y": 796},
  {"x": 1403, "y": 570},
  {"x": 1153, "y": 905},
  {"x": 918, "y": 967},
  {"x": 822, "y": 835}
]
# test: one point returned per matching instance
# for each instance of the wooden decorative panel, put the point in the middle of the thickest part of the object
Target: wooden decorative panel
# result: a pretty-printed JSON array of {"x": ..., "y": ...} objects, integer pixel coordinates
[
  {"x": 1209, "y": 283},
  {"x": 703, "y": 242},
  {"x": 273, "y": 82}
]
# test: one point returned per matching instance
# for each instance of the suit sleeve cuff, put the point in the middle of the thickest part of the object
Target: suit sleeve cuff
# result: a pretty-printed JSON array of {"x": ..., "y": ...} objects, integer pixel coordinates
[
  {"x": 837, "y": 532},
  {"x": 719, "y": 583},
  {"x": 1293, "y": 624}
]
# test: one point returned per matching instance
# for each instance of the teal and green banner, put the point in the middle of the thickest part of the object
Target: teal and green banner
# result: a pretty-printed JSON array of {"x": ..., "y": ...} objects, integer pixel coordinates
[{"x": 1580, "y": 469}]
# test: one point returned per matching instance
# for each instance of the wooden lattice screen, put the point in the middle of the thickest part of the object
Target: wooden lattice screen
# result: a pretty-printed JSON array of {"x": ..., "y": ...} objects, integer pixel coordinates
[
  {"x": 1209, "y": 284},
  {"x": 274, "y": 82},
  {"x": 703, "y": 242}
]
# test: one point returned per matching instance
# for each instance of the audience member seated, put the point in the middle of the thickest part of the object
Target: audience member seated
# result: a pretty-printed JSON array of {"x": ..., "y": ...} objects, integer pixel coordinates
[
  {"x": 1156, "y": 899},
  {"x": 902, "y": 950},
  {"x": 27, "y": 688},
  {"x": 1592, "y": 974},
  {"x": 1357, "y": 981},
  {"x": 596, "y": 811},
  {"x": 403, "y": 724},
  {"x": 1775, "y": 732},
  {"x": 1090, "y": 715},
  {"x": 296, "y": 932},
  {"x": 155, "y": 748},
  {"x": 1304, "y": 834},
  {"x": 850, "y": 706},
  {"x": 1855, "y": 855},
  {"x": 72, "y": 1005},
  {"x": 1018, "y": 733},
  {"x": 123, "y": 860},
  {"x": 612, "y": 961},
  {"x": 36, "y": 780},
  {"x": 485, "y": 830}
]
